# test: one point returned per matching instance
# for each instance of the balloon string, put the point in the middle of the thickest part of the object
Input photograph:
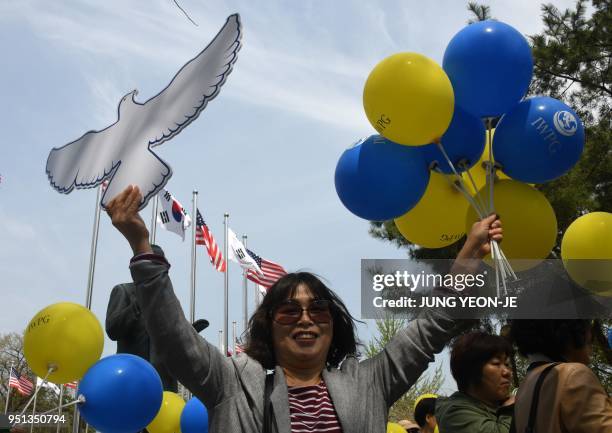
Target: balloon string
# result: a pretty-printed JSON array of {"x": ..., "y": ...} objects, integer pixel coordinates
[
  {"x": 80, "y": 399},
  {"x": 496, "y": 267},
  {"x": 461, "y": 187},
  {"x": 490, "y": 168},
  {"x": 51, "y": 370},
  {"x": 476, "y": 195}
]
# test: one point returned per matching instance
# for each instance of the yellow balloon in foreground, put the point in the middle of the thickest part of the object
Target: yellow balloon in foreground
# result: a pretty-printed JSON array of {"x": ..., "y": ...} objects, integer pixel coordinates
[
  {"x": 529, "y": 222},
  {"x": 168, "y": 419},
  {"x": 395, "y": 428},
  {"x": 438, "y": 219},
  {"x": 65, "y": 335},
  {"x": 409, "y": 99},
  {"x": 586, "y": 251}
]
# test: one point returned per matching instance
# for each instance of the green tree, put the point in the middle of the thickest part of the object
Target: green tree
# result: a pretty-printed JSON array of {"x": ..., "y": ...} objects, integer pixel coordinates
[
  {"x": 403, "y": 408},
  {"x": 11, "y": 354}
]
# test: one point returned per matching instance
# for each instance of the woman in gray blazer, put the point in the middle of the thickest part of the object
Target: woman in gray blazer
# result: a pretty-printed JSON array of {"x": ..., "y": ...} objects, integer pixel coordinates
[{"x": 301, "y": 320}]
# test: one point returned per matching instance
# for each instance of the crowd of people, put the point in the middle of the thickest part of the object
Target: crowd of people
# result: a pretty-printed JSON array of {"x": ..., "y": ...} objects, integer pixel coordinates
[{"x": 301, "y": 372}]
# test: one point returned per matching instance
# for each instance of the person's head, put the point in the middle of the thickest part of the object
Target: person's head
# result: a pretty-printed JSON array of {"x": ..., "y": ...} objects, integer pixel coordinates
[
  {"x": 480, "y": 364},
  {"x": 560, "y": 340},
  {"x": 300, "y": 322},
  {"x": 424, "y": 412},
  {"x": 409, "y": 426}
]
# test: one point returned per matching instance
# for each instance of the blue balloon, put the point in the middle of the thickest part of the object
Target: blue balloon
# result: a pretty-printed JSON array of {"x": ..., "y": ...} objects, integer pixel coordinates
[
  {"x": 463, "y": 141},
  {"x": 538, "y": 140},
  {"x": 123, "y": 393},
  {"x": 194, "y": 418},
  {"x": 490, "y": 65},
  {"x": 379, "y": 180}
]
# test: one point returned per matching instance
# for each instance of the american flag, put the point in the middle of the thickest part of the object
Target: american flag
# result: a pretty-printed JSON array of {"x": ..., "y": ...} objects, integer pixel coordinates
[
  {"x": 71, "y": 385},
  {"x": 21, "y": 383},
  {"x": 271, "y": 271},
  {"x": 205, "y": 237}
]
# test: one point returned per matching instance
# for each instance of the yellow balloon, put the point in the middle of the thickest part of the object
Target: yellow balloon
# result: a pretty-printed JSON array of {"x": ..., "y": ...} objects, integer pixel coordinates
[
  {"x": 409, "y": 99},
  {"x": 64, "y": 335},
  {"x": 168, "y": 419},
  {"x": 586, "y": 250},
  {"x": 529, "y": 222},
  {"x": 438, "y": 219},
  {"x": 395, "y": 428}
]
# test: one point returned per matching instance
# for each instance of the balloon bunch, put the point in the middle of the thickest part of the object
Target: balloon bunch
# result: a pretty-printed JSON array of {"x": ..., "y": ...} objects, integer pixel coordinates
[
  {"x": 123, "y": 393},
  {"x": 120, "y": 393},
  {"x": 435, "y": 167}
]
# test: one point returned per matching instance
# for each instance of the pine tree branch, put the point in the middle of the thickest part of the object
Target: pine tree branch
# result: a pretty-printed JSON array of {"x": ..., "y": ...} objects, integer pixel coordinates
[{"x": 578, "y": 80}]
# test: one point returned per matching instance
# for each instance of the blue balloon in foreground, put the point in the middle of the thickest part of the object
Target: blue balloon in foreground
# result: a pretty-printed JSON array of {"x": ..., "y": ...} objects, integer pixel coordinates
[
  {"x": 463, "y": 141},
  {"x": 123, "y": 393},
  {"x": 538, "y": 140},
  {"x": 490, "y": 65},
  {"x": 194, "y": 418},
  {"x": 379, "y": 180}
]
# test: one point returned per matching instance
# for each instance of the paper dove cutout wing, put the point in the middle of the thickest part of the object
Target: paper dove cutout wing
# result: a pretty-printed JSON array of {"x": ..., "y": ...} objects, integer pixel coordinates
[{"x": 121, "y": 153}]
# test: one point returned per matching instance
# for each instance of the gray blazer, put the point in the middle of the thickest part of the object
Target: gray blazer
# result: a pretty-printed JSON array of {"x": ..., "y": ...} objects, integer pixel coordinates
[{"x": 233, "y": 388}]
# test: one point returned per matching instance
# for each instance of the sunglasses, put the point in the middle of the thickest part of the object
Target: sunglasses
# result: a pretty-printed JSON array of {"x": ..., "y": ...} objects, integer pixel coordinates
[{"x": 290, "y": 312}]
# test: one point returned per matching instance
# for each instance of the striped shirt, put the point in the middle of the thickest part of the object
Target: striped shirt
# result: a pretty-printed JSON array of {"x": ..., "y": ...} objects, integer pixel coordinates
[{"x": 312, "y": 410}]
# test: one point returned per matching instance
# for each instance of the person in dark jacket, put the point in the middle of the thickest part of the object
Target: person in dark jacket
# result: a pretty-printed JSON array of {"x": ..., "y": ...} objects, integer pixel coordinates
[
  {"x": 125, "y": 325},
  {"x": 480, "y": 364}
]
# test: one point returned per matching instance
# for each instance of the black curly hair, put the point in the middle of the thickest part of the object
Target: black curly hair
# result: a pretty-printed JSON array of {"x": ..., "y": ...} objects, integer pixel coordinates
[
  {"x": 550, "y": 337},
  {"x": 258, "y": 336}
]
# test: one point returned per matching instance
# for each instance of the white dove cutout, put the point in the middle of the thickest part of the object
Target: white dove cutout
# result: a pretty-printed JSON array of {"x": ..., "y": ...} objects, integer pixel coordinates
[{"x": 121, "y": 153}]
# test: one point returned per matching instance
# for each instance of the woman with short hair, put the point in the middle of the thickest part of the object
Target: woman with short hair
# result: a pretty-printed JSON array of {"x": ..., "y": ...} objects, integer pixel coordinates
[
  {"x": 480, "y": 364},
  {"x": 303, "y": 333},
  {"x": 571, "y": 399}
]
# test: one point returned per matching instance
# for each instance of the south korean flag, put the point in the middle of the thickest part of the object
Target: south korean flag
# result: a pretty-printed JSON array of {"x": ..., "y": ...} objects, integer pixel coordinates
[{"x": 172, "y": 215}]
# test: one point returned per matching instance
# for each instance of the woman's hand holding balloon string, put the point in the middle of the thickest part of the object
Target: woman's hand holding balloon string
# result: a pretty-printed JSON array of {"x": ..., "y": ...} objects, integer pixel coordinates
[
  {"x": 123, "y": 211},
  {"x": 478, "y": 244}
]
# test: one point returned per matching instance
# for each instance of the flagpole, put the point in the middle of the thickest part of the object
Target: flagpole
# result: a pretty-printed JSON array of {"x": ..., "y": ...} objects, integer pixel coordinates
[
  {"x": 154, "y": 220},
  {"x": 226, "y": 286},
  {"x": 94, "y": 247},
  {"x": 59, "y": 409},
  {"x": 76, "y": 420},
  {"x": 234, "y": 337},
  {"x": 193, "y": 256},
  {"x": 33, "y": 411},
  {"x": 245, "y": 297},
  {"x": 8, "y": 389}
]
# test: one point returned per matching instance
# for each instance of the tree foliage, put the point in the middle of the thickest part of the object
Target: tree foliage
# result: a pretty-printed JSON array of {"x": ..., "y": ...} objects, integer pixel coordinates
[
  {"x": 11, "y": 355},
  {"x": 403, "y": 408}
]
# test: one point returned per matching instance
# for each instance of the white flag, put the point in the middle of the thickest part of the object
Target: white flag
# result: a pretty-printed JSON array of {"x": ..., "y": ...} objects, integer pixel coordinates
[
  {"x": 239, "y": 254},
  {"x": 261, "y": 292},
  {"x": 172, "y": 216},
  {"x": 50, "y": 386}
]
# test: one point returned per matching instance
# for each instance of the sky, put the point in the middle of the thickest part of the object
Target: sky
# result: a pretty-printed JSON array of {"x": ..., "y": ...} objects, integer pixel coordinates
[{"x": 264, "y": 150}]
